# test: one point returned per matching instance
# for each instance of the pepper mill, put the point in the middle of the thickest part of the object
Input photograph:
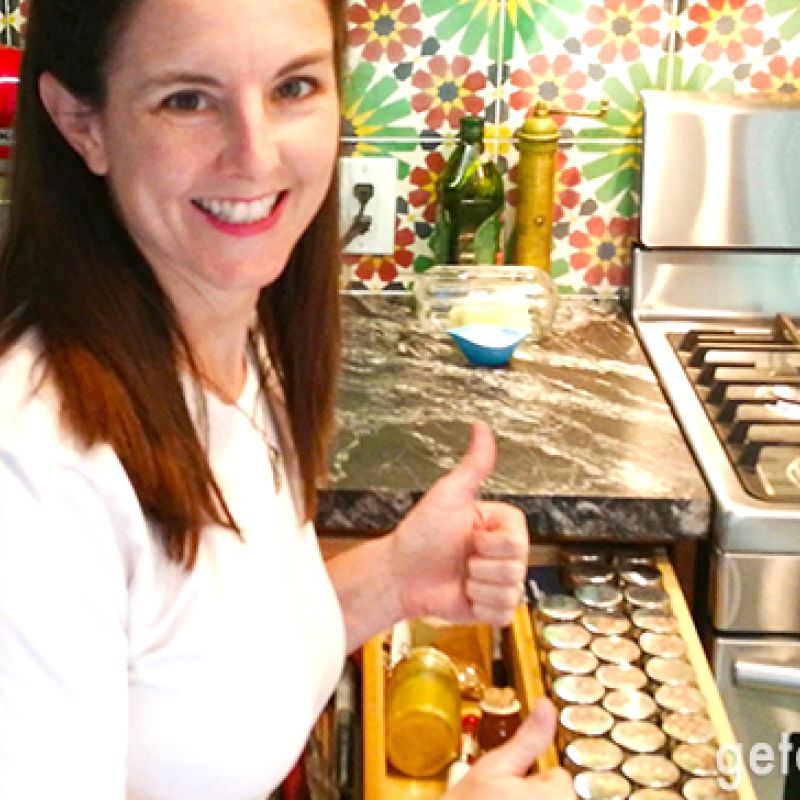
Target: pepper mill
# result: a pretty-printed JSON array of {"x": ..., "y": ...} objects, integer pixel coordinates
[{"x": 537, "y": 142}]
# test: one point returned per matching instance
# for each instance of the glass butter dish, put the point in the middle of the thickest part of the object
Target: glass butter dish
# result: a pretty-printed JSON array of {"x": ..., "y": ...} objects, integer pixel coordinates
[{"x": 518, "y": 297}]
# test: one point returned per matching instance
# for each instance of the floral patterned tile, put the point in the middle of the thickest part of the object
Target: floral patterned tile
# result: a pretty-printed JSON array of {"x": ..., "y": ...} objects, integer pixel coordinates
[
  {"x": 432, "y": 61},
  {"x": 418, "y": 170},
  {"x": 12, "y": 21},
  {"x": 571, "y": 53},
  {"x": 738, "y": 45}
]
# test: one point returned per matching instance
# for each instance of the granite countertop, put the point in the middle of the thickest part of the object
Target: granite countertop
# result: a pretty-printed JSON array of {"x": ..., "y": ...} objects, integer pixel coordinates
[{"x": 587, "y": 445}]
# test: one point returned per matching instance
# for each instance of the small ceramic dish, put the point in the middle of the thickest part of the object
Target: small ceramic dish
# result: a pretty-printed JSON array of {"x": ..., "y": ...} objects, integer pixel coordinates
[{"x": 487, "y": 345}]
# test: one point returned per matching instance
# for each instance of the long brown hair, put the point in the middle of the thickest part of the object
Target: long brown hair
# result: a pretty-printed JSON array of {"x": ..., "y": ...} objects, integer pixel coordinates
[{"x": 110, "y": 337}]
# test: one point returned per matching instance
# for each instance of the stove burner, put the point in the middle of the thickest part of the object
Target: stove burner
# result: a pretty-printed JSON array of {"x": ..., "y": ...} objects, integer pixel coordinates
[{"x": 748, "y": 382}]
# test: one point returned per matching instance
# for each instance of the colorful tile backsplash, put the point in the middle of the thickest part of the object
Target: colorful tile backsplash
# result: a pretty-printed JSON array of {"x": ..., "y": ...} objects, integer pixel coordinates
[{"x": 416, "y": 66}]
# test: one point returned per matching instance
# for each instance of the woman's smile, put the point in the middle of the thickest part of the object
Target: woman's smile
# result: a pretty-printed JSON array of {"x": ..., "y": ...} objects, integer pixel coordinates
[{"x": 242, "y": 217}]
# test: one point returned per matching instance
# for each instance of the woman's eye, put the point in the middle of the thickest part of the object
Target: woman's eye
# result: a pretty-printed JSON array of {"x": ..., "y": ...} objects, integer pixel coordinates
[
  {"x": 295, "y": 89},
  {"x": 186, "y": 101}
]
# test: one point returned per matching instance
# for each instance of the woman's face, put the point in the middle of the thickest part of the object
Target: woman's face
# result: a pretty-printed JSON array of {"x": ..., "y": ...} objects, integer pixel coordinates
[{"x": 219, "y": 138}]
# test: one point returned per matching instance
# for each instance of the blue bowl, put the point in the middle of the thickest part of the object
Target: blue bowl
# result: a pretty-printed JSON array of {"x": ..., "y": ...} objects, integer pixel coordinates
[{"x": 487, "y": 345}]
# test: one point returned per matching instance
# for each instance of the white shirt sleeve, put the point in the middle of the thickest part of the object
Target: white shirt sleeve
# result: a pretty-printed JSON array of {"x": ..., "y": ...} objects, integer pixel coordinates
[{"x": 63, "y": 641}]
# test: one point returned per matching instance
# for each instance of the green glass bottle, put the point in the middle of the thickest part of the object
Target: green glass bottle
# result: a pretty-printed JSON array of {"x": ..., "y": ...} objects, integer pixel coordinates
[{"x": 471, "y": 200}]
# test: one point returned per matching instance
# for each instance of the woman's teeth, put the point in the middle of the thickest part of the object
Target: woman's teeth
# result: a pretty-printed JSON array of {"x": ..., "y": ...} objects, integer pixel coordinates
[{"x": 238, "y": 212}]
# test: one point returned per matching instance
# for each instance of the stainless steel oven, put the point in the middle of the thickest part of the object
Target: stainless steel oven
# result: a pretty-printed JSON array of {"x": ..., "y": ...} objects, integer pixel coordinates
[{"x": 716, "y": 302}]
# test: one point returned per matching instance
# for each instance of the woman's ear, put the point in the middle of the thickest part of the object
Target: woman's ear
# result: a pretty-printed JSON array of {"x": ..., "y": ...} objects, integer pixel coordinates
[{"x": 78, "y": 123}]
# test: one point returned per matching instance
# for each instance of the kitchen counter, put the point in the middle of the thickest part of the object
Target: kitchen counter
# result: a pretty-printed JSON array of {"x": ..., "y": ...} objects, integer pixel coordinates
[{"x": 587, "y": 445}]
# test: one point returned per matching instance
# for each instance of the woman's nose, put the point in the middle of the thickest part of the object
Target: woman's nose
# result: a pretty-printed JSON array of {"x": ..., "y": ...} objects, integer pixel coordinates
[{"x": 252, "y": 148}]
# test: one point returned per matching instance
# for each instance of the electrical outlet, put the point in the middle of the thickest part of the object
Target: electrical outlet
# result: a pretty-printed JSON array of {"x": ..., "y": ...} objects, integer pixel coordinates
[{"x": 381, "y": 174}]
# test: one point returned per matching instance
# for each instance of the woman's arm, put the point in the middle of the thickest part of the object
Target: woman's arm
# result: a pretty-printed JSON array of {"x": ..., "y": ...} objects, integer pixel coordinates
[
  {"x": 63, "y": 643},
  {"x": 452, "y": 556}
]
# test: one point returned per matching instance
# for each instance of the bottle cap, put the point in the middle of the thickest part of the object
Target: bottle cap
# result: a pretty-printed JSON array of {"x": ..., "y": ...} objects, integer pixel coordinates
[{"x": 471, "y": 128}]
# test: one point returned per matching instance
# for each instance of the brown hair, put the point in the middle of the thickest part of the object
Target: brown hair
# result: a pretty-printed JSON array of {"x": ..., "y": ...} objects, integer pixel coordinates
[{"x": 109, "y": 335}]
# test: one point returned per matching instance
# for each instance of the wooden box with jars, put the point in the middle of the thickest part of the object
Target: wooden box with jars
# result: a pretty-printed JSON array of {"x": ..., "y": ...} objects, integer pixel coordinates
[{"x": 640, "y": 715}]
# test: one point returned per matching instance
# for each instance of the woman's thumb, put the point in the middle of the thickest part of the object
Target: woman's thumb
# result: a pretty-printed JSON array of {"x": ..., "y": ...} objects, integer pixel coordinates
[
  {"x": 478, "y": 462},
  {"x": 532, "y": 738}
]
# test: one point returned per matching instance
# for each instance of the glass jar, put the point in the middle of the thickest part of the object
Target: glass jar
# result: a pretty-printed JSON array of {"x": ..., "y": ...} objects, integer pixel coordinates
[
  {"x": 640, "y": 575},
  {"x": 559, "y": 608},
  {"x": 706, "y": 789},
  {"x": 569, "y": 662},
  {"x": 423, "y": 713},
  {"x": 655, "y": 620},
  {"x": 602, "y": 597},
  {"x": 500, "y": 717},
  {"x": 577, "y": 721},
  {"x": 649, "y": 597}
]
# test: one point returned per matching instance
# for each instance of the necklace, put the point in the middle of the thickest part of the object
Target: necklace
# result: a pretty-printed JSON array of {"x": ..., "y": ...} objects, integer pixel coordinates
[{"x": 273, "y": 453}]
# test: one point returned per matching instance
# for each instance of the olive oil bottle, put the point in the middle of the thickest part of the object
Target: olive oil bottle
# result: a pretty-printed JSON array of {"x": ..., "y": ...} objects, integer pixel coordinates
[{"x": 470, "y": 190}]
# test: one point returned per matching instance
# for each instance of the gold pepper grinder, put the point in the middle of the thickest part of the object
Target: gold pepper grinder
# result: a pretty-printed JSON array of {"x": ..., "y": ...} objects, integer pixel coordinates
[{"x": 537, "y": 142}]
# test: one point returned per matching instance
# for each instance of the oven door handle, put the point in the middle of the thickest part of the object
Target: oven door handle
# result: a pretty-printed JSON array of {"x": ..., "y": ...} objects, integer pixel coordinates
[{"x": 767, "y": 676}]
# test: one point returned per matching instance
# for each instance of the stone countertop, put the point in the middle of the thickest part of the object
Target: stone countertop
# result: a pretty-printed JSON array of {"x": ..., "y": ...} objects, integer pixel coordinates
[{"x": 587, "y": 445}]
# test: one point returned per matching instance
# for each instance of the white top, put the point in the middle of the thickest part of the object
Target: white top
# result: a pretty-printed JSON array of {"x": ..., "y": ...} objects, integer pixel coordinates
[{"x": 121, "y": 674}]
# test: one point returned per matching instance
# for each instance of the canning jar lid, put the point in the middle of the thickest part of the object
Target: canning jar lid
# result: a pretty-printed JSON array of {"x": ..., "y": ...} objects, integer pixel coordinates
[
  {"x": 559, "y": 607},
  {"x": 651, "y": 771},
  {"x": 566, "y": 635},
  {"x": 602, "y": 785},
  {"x": 571, "y": 662},
  {"x": 689, "y": 728},
  {"x": 655, "y": 620},
  {"x": 706, "y": 789},
  {"x": 606, "y": 623},
  {"x": 598, "y": 596},
  {"x": 593, "y": 752},
  {"x": 681, "y": 699},
  {"x": 670, "y": 671},
  {"x": 589, "y": 572},
  {"x": 649, "y": 597},
  {"x": 655, "y": 794},
  {"x": 577, "y": 690},
  {"x": 621, "y": 676},
  {"x": 640, "y": 575},
  {"x": 629, "y": 704},
  {"x": 586, "y": 720},
  {"x": 638, "y": 736},
  {"x": 698, "y": 760},
  {"x": 615, "y": 649},
  {"x": 662, "y": 645}
]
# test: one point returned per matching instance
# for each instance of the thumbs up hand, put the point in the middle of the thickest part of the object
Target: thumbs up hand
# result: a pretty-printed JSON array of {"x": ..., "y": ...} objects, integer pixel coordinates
[
  {"x": 503, "y": 771},
  {"x": 457, "y": 557}
]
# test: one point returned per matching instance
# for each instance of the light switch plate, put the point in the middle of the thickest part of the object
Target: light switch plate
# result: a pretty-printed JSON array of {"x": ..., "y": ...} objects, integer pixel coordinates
[{"x": 381, "y": 174}]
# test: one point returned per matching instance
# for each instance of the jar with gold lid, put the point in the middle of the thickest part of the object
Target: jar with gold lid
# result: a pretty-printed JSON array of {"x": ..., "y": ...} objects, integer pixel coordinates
[
  {"x": 558, "y": 608},
  {"x": 423, "y": 713},
  {"x": 576, "y": 690},
  {"x": 599, "y": 597},
  {"x": 649, "y": 597},
  {"x": 655, "y": 794},
  {"x": 577, "y": 721},
  {"x": 680, "y": 699},
  {"x": 564, "y": 635},
  {"x": 570, "y": 662},
  {"x": 655, "y": 620},
  {"x": 630, "y": 704}
]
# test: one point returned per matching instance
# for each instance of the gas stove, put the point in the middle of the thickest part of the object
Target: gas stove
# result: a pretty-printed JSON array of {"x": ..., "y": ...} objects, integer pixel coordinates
[
  {"x": 732, "y": 376},
  {"x": 715, "y": 299}
]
